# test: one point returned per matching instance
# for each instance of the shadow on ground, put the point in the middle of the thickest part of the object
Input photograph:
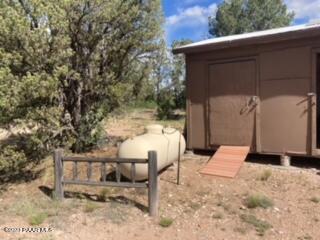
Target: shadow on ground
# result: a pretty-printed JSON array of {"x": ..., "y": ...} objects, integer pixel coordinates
[
  {"x": 96, "y": 198},
  {"x": 21, "y": 176},
  {"x": 300, "y": 162}
]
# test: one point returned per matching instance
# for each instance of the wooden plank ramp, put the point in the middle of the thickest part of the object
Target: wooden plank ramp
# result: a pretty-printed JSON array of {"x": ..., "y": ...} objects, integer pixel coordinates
[{"x": 226, "y": 162}]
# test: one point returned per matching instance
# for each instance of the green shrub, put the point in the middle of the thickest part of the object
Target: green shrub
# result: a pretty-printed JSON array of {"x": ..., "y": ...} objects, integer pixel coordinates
[
  {"x": 166, "y": 104},
  {"x": 11, "y": 158},
  {"x": 260, "y": 225},
  {"x": 103, "y": 195},
  {"x": 11, "y": 161},
  {"x": 265, "y": 175},
  {"x": 38, "y": 218},
  {"x": 145, "y": 104},
  {"x": 20, "y": 153},
  {"x": 258, "y": 200},
  {"x": 165, "y": 222}
]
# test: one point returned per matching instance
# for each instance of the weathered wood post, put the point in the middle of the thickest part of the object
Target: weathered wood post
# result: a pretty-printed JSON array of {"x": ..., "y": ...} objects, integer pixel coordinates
[
  {"x": 153, "y": 194},
  {"x": 58, "y": 174}
]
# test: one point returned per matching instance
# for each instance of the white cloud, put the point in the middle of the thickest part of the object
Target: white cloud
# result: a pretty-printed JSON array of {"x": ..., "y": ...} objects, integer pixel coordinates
[
  {"x": 192, "y": 16},
  {"x": 190, "y": 22},
  {"x": 309, "y": 9}
]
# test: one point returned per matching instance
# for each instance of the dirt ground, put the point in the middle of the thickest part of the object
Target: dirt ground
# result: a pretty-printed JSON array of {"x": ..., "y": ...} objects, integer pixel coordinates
[{"x": 202, "y": 207}]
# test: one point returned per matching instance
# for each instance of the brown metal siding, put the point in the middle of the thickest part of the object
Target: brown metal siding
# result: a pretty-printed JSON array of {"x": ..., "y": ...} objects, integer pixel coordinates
[
  {"x": 285, "y": 64},
  {"x": 284, "y": 112},
  {"x": 196, "y": 98},
  {"x": 231, "y": 86},
  {"x": 283, "y": 80}
]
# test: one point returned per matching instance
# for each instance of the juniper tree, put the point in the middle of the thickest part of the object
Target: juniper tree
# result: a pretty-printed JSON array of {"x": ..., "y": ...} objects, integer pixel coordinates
[
  {"x": 240, "y": 16},
  {"x": 65, "y": 64}
]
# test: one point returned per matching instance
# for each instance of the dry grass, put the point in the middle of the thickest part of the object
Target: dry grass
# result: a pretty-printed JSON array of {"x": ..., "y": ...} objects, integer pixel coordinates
[
  {"x": 47, "y": 237},
  {"x": 241, "y": 230},
  {"x": 258, "y": 200},
  {"x": 195, "y": 206},
  {"x": 225, "y": 206},
  {"x": 90, "y": 207},
  {"x": 37, "y": 218},
  {"x": 199, "y": 201},
  {"x": 103, "y": 195},
  {"x": 217, "y": 215},
  {"x": 261, "y": 226},
  {"x": 117, "y": 213},
  {"x": 34, "y": 212},
  {"x": 266, "y": 174}
]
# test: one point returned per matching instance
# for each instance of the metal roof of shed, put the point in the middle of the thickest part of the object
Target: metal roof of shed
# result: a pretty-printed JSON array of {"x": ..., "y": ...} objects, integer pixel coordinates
[{"x": 271, "y": 35}]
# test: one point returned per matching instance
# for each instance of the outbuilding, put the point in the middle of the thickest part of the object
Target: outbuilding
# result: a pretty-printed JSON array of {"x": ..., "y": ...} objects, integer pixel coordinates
[{"x": 257, "y": 89}]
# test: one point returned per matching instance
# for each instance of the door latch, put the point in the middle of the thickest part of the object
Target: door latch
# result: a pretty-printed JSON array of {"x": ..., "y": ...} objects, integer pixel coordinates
[{"x": 254, "y": 100}]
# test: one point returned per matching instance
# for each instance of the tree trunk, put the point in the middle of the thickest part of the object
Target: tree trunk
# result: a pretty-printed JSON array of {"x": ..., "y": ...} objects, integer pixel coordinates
[{"x": 76, "y": 115}]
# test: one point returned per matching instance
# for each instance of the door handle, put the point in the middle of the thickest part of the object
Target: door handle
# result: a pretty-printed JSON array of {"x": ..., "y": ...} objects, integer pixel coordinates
[
  {"x": 250, "y": 104},
  {"x": 254, "y": 100},
  {"x": 311, "y": 94}
]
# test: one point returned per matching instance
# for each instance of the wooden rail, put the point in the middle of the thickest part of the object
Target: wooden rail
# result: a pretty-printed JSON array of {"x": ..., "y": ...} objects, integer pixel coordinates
[{"x": 151, "y": 183}]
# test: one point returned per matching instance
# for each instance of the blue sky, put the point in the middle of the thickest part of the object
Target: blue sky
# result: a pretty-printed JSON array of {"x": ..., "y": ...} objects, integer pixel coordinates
[{"x": 189, "y": 18}]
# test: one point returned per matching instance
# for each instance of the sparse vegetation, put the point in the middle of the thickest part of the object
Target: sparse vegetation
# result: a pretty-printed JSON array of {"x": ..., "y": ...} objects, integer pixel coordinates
[
  {"x": 48, "y": 237},
  {"x": 221, "y": 201},
  {"x": 217, "y": 215},
  {"x": 90, "y": 207},
  {"x": 117, "y": 213},
  {"x": 195, "y": 206},
  {"x": 266, "y": 174},
  {"x": 258, "y": 200},
  {"x": 224, "y": 205},
  {"x": 80, "y": 195},
  {"x": 103, "y": 195},
  {"x": 141, "y": 191},
  {"x": 165, "y": 222},
  {"x": 34, "y": 213},
  {"x": 261, "y": 226},
  {"x": 38, "y": 218},
  {"x": 240, "y": 230},
  {"x": 305, "y": 237}
]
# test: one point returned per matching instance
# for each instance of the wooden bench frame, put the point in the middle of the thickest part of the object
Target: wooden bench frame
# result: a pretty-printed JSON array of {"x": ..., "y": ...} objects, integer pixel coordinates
[{"x": 151, "y": 183}]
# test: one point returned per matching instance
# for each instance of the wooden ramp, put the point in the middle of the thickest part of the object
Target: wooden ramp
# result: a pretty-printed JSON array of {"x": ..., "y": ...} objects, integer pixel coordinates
[{"x": 226, "y": 162}]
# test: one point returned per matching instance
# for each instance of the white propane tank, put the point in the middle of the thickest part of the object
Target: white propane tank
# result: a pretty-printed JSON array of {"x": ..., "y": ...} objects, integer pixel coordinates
[{"x": 165, "y": 141}]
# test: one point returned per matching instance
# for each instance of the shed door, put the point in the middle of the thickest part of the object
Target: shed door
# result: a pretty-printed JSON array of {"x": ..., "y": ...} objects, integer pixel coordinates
[{"x": 232, "y": 103}]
